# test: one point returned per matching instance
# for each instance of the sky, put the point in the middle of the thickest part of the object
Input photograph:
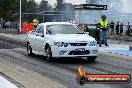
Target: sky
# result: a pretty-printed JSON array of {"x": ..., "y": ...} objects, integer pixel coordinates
[{"x": 127, "y": 4}]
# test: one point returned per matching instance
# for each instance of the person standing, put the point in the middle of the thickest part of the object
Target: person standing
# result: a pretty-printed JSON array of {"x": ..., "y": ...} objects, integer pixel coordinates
[
  {"x": 112, "y": 26},
  {"x": 16, "y": 24},
  {"x": 103, "y": 30},
  {"x": 3, "y": 24},
  {"x": 121, "y": 28},
  {"x": 129, "y": 29},
  {"x": 117, "y": 28},
  {"x": 8, "y": 24},
  {"x": 35, "y": 22},
  {"x": 97, "y": 32}
]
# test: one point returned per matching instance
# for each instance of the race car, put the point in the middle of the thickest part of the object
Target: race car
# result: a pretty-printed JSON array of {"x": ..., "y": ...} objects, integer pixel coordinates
[{"x": 61, "y": 39}]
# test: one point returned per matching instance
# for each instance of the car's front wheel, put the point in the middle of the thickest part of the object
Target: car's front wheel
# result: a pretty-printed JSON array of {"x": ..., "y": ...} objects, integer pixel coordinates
[
  {"x": 49, "y": 54},
  {"x": 92, "y": 58}
]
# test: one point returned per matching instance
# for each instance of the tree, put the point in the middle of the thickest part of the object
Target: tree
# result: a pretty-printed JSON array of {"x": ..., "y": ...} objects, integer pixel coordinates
[
  {"x": 10, "y": 7},
  {"x": 32, "y": 6},
  {"x": 44, "y": 6},
  {"x": 7, "y": 9}
]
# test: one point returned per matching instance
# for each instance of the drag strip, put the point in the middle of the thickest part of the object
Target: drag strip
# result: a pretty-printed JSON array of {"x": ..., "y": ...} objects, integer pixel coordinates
[
  {"x": 9, "y": 43},
  {"x": 64, "y": 70}
]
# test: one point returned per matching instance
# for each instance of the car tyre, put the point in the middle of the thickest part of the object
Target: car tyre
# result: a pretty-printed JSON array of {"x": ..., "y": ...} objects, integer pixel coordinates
[
  {"x": 81, "y": 80},
  {"x": 49, "y": 54},
  {"x": 29, "y": 49},
  {"x": 92, "y": 58}
]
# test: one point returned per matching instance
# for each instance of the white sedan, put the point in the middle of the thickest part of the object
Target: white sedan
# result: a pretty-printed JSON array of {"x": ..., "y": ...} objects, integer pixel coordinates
[{"x": 61, "y": 39}]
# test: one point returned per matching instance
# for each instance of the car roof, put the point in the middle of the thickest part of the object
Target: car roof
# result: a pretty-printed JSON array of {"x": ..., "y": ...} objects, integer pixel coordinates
[{"x": 51, "y": 23}]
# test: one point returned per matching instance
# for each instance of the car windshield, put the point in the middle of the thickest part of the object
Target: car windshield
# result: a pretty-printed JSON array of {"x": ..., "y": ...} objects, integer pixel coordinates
[{"x": 63, "y": 29}]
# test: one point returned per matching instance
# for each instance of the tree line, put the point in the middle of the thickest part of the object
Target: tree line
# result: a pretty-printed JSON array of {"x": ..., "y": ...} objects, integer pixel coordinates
[{"x": 10, "y": 7}]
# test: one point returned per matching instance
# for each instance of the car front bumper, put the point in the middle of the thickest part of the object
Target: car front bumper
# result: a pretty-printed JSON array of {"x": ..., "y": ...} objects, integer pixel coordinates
[{"x": 74, "y": 51}]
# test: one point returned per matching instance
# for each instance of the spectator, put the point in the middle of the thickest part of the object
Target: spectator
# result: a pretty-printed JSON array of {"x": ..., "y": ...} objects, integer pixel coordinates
[
  {"x": 103, "y": 30},
  {"x": 16, "y": 24},
  {"x": 81, "y": 26},
  {"x": 121, "y": 28},
  {"x": 86, "y": 28},
  {"x": 112, "y": 25},
  {"x": 35, "y": 22},
  {"x": 97, "y": 32},
  {"x": 129, "y": 29},
  {"x": 8, "y": 24},
  {"x": 117, "y": 28},
  {"x": 3, "y": 24}
]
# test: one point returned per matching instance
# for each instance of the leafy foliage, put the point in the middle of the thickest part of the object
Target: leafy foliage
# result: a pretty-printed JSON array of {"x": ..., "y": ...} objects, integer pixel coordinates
[{"x": 10, "y": 7}]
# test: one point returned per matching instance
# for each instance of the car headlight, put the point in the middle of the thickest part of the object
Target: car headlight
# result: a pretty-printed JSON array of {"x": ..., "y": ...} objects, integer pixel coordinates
[
  {"x": 60, "y": 44},
  {"x": 93, "y": 43}
]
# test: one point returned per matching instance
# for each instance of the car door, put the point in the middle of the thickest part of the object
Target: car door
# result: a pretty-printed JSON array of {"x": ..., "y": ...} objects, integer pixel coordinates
[
  {"x": 33, "y": 38},
  {"x": 41, "y": 41}
]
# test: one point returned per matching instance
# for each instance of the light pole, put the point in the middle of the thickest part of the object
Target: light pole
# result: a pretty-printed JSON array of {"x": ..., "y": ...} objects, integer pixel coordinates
[
  {"x": 20, "y": 27},
  {"x": 83, "y": 18},
  {"x": 43, "y": 16}
]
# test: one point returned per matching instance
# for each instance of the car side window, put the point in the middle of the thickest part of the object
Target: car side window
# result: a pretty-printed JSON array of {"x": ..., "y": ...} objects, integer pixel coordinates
[
  {"x": 36, "y": 30},
  {"x": 48, "y": 29},
  {"x": 41, "y": 29}
]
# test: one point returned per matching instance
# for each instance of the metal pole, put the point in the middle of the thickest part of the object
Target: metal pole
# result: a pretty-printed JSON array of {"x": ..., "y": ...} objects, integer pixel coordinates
[
  {"x": 78, "y": 16},
  {"x": 62, "y": 18},
  {"x": 43, "y": 16},
  {"x": 20, "y": 18},
  {"x": 100, "y": 13},
  {"x": 83, "y": 19}
]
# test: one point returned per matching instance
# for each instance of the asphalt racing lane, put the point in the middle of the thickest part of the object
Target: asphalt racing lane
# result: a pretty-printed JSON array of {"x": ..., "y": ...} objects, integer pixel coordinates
[{"x": 64, "y": 70}]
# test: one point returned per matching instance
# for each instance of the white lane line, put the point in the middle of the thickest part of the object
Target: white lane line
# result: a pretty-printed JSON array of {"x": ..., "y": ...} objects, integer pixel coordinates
[
  {"x": 118, "y": 53},
  {"x": 4, "y": 83}
]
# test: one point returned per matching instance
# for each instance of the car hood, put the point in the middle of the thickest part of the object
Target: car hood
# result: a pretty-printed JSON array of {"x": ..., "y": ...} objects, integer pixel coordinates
[{"x": 71, "y": 38}]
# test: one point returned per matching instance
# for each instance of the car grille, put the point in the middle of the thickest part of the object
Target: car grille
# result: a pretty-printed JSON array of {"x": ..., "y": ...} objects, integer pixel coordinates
[
  {"x": 78, "y": 44},
  {"x": 79, "y": 52}
]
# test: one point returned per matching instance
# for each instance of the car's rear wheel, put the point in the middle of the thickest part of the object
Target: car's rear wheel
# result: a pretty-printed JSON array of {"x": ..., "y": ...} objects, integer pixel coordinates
[
  {"x": 49, "y": 54},
  {"x": 92, "y": 58},
  {"x": 29, "y": 49}
]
